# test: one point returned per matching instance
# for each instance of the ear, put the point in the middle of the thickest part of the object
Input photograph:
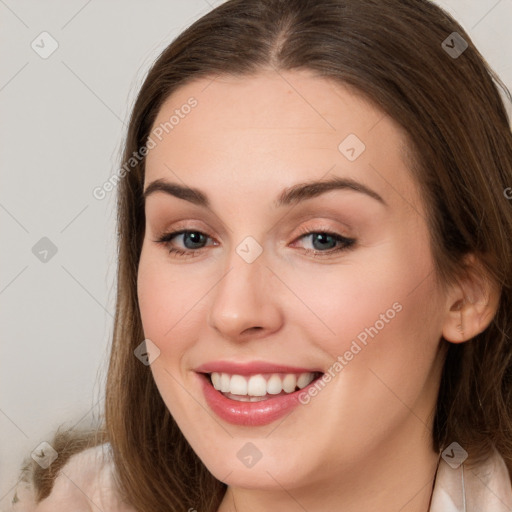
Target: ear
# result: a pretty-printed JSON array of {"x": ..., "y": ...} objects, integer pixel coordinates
[{"x": 471, "y": 303}]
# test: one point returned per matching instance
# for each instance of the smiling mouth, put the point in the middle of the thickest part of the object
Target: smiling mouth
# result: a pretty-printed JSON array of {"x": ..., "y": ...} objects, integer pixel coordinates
[{"x": 261, "y": 386}]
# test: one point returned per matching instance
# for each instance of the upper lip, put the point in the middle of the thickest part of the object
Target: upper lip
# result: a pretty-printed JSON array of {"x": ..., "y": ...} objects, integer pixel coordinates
[{"x": 250, "y": 368}]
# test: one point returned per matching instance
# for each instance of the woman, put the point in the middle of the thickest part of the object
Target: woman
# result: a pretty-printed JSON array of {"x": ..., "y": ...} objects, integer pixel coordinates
[{"x": 315, "y": 246}]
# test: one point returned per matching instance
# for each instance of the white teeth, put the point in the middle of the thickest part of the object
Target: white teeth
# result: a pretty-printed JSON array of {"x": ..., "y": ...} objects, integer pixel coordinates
[
  {"x": 260, "y": 385},
  {"x": 245, "y": 398},
  {"x": 216, "y": 380},
  {"x": 238, "y": 385},
  {"x": 224, "y": 382},
  {"x": 257, "y": 386},
  {"x": 274, "y": 385},
  {"x": 304, "y": 379},
  {"x": 289, "y": 383}
]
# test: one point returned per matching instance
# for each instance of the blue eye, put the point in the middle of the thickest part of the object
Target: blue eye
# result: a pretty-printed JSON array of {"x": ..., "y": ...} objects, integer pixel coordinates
[
  {"x": 195, "y": 237},
  {"x": 194, "y": 241},
  {"x": 321, "y": 239},
  {"x": 326, "y": 243}
]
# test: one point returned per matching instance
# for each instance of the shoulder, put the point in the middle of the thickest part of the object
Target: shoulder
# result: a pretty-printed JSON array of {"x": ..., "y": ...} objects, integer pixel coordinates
[
  {"x": 486, "y": 487},
  {"x": 85, "y": 483}
]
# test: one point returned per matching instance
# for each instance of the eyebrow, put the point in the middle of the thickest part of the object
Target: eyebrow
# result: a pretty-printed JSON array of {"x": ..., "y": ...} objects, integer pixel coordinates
[{"x": 294, "y": 194}]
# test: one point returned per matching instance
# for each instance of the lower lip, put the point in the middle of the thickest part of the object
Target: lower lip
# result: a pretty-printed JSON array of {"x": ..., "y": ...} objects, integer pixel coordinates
[{"x": 250, "y": 413}]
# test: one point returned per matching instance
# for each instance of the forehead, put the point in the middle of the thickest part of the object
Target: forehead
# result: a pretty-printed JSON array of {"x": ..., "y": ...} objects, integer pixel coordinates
[
  {"x": 296, "y": 103},
  {"x": 275, "y": 126}
]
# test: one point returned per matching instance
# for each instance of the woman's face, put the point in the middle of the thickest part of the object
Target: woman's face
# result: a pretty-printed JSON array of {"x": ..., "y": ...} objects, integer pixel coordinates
[{"x": 278, "y": 286}]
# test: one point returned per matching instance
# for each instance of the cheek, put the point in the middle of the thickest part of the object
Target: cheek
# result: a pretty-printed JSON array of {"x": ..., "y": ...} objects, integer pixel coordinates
[
  {"x": 387, "y": 321},
  {"x": 167, "y": 300},
  {"x": 380, "y": 310},
  {"x": 168, "y": 306},
  {"x": 341, "y": 301}
]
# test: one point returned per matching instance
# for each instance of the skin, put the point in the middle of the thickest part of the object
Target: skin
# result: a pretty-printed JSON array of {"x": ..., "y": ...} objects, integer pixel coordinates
[{"x": 247, "y": 140}]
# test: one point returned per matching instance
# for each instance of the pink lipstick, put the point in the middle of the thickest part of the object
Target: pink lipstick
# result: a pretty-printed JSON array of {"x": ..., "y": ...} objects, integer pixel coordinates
[{"x": 254, "y": 393}]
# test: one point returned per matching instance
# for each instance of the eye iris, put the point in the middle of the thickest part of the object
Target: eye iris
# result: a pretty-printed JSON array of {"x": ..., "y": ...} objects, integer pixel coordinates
[
  {"x": 196, "y": 237},
  {"x": 323, "y": 238}
]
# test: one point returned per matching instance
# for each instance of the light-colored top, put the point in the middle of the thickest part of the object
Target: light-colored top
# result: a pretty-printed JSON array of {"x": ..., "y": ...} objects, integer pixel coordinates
[
  {"x": 486, "y": 488},
  {"x": 85, "y": 484}
]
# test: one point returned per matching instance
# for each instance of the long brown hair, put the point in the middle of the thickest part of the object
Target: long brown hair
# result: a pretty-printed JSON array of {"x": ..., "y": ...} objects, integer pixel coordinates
[{"x": 460, "y": 148}]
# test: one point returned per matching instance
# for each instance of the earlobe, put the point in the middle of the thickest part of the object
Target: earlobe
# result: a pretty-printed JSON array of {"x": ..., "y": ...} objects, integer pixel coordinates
[{"x": 471, "y": 305}]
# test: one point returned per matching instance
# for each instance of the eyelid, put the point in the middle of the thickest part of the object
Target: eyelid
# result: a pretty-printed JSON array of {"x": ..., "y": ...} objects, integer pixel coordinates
[
  {"x": 324, "y": 228},
  {"x": 321, "y": 218},
  {"x": 166, "y": 218},
  {"x": 347, "y": 243},
  {"x": 185, "y": 225},
  {"x": 343, "y": 230},
  {"x": 349, "y": 240}
]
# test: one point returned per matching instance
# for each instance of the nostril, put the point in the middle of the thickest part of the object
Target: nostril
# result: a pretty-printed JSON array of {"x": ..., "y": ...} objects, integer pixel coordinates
[{"x": 250, "y": 329}]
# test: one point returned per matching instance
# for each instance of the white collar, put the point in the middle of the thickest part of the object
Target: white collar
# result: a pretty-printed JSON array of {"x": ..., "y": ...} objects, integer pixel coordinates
[{"x": 484, "y": 488}]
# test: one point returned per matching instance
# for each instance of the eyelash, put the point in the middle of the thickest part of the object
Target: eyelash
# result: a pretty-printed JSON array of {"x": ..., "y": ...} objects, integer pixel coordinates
[{"x": 348, "y": 243}]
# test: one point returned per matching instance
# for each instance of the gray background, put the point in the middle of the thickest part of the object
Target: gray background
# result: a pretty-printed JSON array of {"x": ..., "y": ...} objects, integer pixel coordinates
[{"x": 63, "y": 119}]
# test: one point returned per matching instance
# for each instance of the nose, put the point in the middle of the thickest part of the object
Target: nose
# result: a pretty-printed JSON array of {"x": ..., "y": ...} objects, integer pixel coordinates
[{"x": 245, "y": 301}]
